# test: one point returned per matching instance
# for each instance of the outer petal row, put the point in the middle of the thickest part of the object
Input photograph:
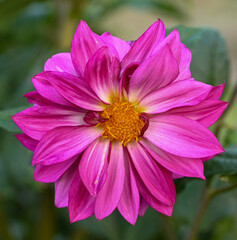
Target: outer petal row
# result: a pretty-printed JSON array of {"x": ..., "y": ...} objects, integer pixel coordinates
[
  {"x": 62, "y": 143},
  {"x": 69, "y": 87},
  {"x": 177, "y": 94},
  {"x": 36, "y": 121},
  {"x": 182, "y": 136}
]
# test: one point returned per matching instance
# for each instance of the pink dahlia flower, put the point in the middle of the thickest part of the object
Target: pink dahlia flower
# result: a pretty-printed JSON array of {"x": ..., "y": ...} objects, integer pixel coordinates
[{"x": 114, "y": 122}]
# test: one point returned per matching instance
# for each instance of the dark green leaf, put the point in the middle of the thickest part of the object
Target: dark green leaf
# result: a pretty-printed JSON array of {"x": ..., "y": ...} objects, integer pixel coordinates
[{"x": 225, "y": 164}]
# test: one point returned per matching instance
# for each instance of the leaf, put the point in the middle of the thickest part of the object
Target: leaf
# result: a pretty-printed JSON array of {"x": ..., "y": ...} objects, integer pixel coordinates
[
  {"x": 222, "y": 165},
  {"x": 210, "y": 62},
  {"x": 5, "y": 119}
]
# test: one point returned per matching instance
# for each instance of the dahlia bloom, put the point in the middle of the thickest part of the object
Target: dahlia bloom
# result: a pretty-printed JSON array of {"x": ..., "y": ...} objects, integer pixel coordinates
[{"x": 114, "y": 122}]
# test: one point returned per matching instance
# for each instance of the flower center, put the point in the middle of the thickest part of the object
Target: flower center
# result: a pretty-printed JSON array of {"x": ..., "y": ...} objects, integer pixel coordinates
[{"x": 121, "y": 122}]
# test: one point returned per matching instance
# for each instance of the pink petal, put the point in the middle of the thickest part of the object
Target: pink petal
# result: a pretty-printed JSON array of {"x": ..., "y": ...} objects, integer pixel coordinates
[
  {"x": 60, "y": 62},
  {"x": 126, "y": 76},
  {"x": 189, "y": 167},
  {"x": 27, "y": 141},
  {"x": 47, "y": 91},
  {"x": 62, "y": 143},
  {"x": 36, "y": 121},
  {"x": 72, "y": 88},
  {"x": 177, "y": 94},
  {"x": 143, "y": 45},
  {"x": 184, "y": 65},
  {"x": 35, "y": 98},
  {"x": 174, "y": 42},
  {"x": 129, "y": 202},
  {"x": 151, "y": 200},
  {"x": 110, "y": 194},
  {"x": 207, "y": 112},
  {"x": 93, "y": 165},
  {"x": 182, "y": 136},
  {"x": 84, "y": 44},
  {"x": 62, "y": 186},
  {"x": 216, "y": 92},
  {"x": 156, "y": 72},
  {"x": 176, "y": 176},
  {"x": 102, "y": 74},
  {"x": 52, "y": 173},
  {"x": 122, "y": 47},
  {"x": 81, "y": 203},
  {"x": 143, "y": 207},
  {"x": 156, "y": 178}
]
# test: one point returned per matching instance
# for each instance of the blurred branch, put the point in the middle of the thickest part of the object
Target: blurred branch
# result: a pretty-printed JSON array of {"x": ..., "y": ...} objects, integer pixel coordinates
[
  {"x": 4, "y": 231},
  {"x": 167, "y": 227},
  {"x": 45, "y": 229},
  {"x": 207, "y": 197},
  {"x": 231, "y": 102}
]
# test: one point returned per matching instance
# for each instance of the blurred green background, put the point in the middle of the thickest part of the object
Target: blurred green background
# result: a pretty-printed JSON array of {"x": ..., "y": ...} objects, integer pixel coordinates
[{"x": 31, "y": 32}]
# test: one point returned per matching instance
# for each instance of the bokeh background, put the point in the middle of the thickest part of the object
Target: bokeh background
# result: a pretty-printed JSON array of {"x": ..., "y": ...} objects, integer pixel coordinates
[{"x": 31, "y": 32}]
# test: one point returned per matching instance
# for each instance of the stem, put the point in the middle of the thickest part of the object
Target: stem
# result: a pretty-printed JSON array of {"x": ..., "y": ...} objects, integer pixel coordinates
[
  {"x": 223, "y": 190},
  {"x": 231, "y": 102},
  {"x": 203, "y": 207},
  {"x": 206, "y": 199},
  {"x": 167, "y": 227}
]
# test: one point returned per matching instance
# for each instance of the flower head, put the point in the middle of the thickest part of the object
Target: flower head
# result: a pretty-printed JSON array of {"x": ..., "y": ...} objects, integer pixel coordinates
[{"x": 114, "y": 122}]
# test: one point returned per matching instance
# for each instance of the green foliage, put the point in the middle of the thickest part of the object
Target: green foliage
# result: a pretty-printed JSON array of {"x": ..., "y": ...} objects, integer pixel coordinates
[{"x": 224, "y": 164}]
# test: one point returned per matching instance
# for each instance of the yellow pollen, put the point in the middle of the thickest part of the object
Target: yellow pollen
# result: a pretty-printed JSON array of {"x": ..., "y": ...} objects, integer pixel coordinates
[{"x": 121, "y": 122}]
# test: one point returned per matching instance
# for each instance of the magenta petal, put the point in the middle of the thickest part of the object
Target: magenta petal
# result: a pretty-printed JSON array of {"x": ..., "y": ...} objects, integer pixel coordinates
[
  {"x": 156, "y": 72},
  {"x": 27, "y": 141},
  {"x": 126, "y": 75},
  {"x": 207, "y": 112},
  {"x": 109, "y": 196},
  {"x": 182, "y": 136},
  {"x": 156, "y": 178},
  {"x": 189, "y": 167},
  {"x": 35, "y": 98},
  {"x": 216, "y": 92},
  {"x": 102, "y": 74},
  {"x": 62, "y": 143},
  {"x": 174, "y": 42},
  {"x": 46, "y": 90},
  {"x": 60, "y": 62},
  {"x": 122, "y": 47},
  {"x": 184, "y": 65},
  {"x": 36, "y": 121},
  {"x": 81, "y": 203},
  {"x": 52, "y": 173},
  {"x": 129, "y": 202},
  {"x": 143, "y": 45},
  {"x": 62, "y": 186},
  {"x": 143, "y": 206},
  {"x": 177, "y": 94},
  {"x": 72, "y": 88},
  {"x": 151, "y": 200},
  {"x": 93, "y": 165},
  {"x": 84, "y": 44}
]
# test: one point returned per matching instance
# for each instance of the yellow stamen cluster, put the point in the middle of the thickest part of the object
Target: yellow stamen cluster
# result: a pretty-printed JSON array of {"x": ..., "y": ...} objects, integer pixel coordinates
[{"x": 121, "y": 122}]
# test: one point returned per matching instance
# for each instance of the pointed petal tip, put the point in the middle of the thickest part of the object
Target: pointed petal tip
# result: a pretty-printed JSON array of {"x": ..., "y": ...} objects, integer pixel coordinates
[
  {"x": 169, "y": 213},
  {"x": 132, "y": 221}
]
